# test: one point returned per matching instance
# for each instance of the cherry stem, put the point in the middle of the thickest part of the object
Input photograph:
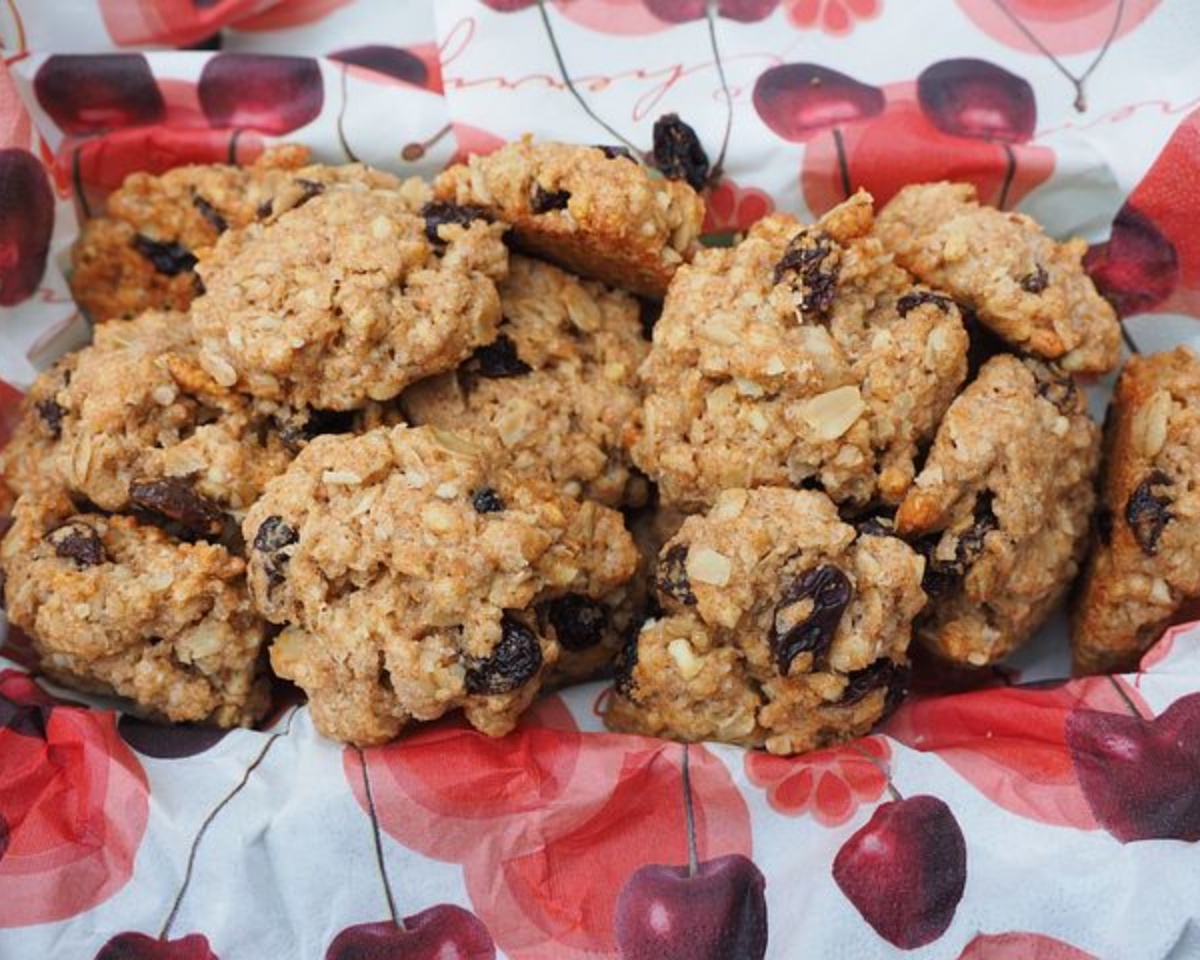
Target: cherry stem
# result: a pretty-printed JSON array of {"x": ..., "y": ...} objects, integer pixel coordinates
[
  {"x": 1116, "y": 685},
  {"x": 213, "y": 814},
  {"x": 891, "y": 788},
  {"x": 379, "y": 862},
  {"x": 1010, "y": 171},
  {"x": 1128, "y": 338},
  {"x": 415, "y": 151},
  {"x": 341, "y": 117},
  {"x": 231, "y": 155},
  {"x": 689, "y": 815},
  {"x": 77, "y": 184},
  {"x": 843, "y": 163},
  {"x": 718, "y": 168},
  {"x": 570, "y": 84}
]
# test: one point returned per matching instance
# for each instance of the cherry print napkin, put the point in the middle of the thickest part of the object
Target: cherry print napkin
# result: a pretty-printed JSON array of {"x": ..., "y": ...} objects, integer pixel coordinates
[{"x": 1030, "y": 817}]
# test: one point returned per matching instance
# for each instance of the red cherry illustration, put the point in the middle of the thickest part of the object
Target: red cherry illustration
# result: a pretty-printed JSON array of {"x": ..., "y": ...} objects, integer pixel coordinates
[
  {"x": 1137, "y": 268},
  {"x": 798, "y": 101},
  {"x": 171, "y": 23},
  {"x": 684, "y": 11},
  {"x": 508, "y": 6},
  {"x": 168, "y": 742},
  {"x": 977, "y": 100},
  {"x": 1021, "y": 946},
  {"x": 273, "y": 94},
  {"x": 444, "y": 932},
  {"x": 10, "y": 416},
  {"x": 1139, "y": 775},
  {"x": 393, "y": 62},
  {"x": 905, "y": 871},
  {"x": 139, "y": 946},
  {"x": 26, "y": 221},
  {"x": 92, "y": 93}
]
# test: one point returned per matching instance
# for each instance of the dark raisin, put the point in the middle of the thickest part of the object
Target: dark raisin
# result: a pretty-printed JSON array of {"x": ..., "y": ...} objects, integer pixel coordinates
[
  {"x": 1147, "y": 513},
  {"x": 811, "y": 264},
  {"x": 577, "y": 621},
  {"x": 626, "y": 660},
  {"x": 648, "y": 313},
  {"x": 175, "y": 498},
  {"x": 910, "y": 301},
  {"x": 170, "y": 259},
  {"x": 875, "y": 526},
  {"x": 198, "y": 287},
  {"x": 983, "y": 344},
  {"x": 830, "y": 592},
  {"x": 678, "y": 153},
  {"x": 942, "y": 575},
  {"x": 672, "y": 578},
  {"x": 265, "y": 209},
  {"x": 614, "y": 153},
  {"x": 1054, "y": 385},
  {"x": 438, "y": 213},
  {"x": 1104, "y": 525},
  {"x": 882, "y": 673},
  {"x": 543, "y": 201},
  {"x": 210, "y": 213},
  {"x": 1035, "y": 282},
  {"x": 487, "y": 500},
  {"x": 308, "y": 190},
  {"x": 498, "y": 359},
  {"x": 297, "y": 428},
  {"x": 78, "y": 541},
  {"x": 52, "y": 415},
  {"x": 273, "y": 536},
  {"x": 514, "y": 661}
]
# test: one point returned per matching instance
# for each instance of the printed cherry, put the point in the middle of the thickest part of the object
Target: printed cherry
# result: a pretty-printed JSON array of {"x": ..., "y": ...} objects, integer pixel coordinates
[
  {"x": 89, "y": 94},
  {"x": 1137, "y": 268},
  {"x": 977, "y": 100},
  {"x": 444, "y": 932},
  {"x": 168, "y": 742},
  {"x": 1139, "y": 775},
  {"x": 139, "y": 946},
  {"x": 717, "y": 913},
  {"x": 798, "y": 101},
  {"x": 272, "y": 94},
  {"x": 905, "y": 871},
  {"x": 390, "y": 61},
  {"x": 26, "y": 221},
  {"x": 508, "y": 6},
  {"x": 684, "y": 11}
]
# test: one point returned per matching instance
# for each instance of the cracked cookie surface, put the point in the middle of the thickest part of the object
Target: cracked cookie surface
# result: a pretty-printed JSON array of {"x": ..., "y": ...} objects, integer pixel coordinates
[{"x": 782, "y": 627}]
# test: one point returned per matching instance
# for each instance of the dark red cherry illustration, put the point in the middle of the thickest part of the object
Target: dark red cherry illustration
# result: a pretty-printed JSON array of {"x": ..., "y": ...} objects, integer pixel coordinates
[
  {"x": 165, "y": 742},
  {"x": 91, "y": 93},
  {"x": 685, "y": 11},
  {"x": 390, "y": 61},
  {"x": 139, "y": 946},
  {"x": 444, "y": 932},
  {"x": 26, "y": 221},
  {"x": 273, "y": 94},
  {"x": 978, "y": 100},
  {"x": 508, "y": 6},
  {"x": 1137, "y": 268},
  {"x": 905, "y": 871},
  {"x": 1139, "y": 776}
]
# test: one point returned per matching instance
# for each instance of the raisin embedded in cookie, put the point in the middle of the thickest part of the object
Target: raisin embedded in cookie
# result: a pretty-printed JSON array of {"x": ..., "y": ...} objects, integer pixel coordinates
[
  {"x": 1001, "y": 509},
  {"x": 1030, "y": 290},
  {"x": 346, "y": 300},
  {"x": 597, "y": 213},
  {"x": 782, "y": 627},
  {"x": 1143, "y": 571},
  {"x": 411, "y": 573},
  {"x": 113, "y": 605},
  {"x": 556, "y": 393},
  {"x": 801, "y": 356}
]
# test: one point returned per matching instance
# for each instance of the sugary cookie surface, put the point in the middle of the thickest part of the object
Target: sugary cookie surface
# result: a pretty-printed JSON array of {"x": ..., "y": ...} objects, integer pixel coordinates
[
  {"x": 1030, "y": 290},
  {"x": 782, "y": 627},
  {"x": 1143, "y": 568},
  {"x": 801, "y": 355},
  {"x": 1002, "y": 508},
  {"x": 415, "y": 576},
  {"x": 593, "y": 210}
]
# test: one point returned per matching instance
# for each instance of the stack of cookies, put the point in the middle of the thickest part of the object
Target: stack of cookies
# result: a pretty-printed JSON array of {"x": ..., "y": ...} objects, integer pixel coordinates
[{"x": 430, "y": 447}]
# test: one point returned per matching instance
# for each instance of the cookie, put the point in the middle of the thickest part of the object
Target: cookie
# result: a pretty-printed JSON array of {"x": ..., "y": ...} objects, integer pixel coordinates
[
  {"x": 556, "y": 393},
  {"x": 409, "y": 571},
  {"x": 346, "y": 300},
  {"x": 1001, "y": 509},
  {"x": 594, "y": 211},
  {"x": 801, "y": 356},
  {"x": 27, "y": 459},
  {"x": 141, "y": 255},
  {"x": 782, "y": 627},
  {"x": 1142, "y": 574},
  {"x": 115, "y": 605},
  {"x": 1028, "y": 289}
]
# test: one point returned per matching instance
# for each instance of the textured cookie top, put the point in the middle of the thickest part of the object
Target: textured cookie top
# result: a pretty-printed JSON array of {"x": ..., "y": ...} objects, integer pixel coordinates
[
  {"x": 556, "y": 394},
  {"x": 1004, "y": 500},
  {"x": 115, "y": 604},
  {"x": 802, "y": 354},
  {"x": 791, "y": 614},
  {"x": 596, "y": 212},
  {"x": 1028, "y": 289},
  {"x": 345, "y": 300},
  {"x": 409, "y": 565},
  {"x": 1144, "y": 567}
]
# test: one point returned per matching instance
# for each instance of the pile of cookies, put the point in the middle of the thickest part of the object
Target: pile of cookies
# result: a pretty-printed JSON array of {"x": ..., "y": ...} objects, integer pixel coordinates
[{"x": 429, "y": 447}]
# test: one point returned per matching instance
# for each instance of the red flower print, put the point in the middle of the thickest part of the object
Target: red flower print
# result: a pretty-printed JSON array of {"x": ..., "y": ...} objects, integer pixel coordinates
[
  {"x": 829, "y": 785},
  {"x": 732, "y": 209},
  {"x": 1021, "y": 946},
  {"x": 835, "y": 17},
  {"x": 74, "y": 802}
]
